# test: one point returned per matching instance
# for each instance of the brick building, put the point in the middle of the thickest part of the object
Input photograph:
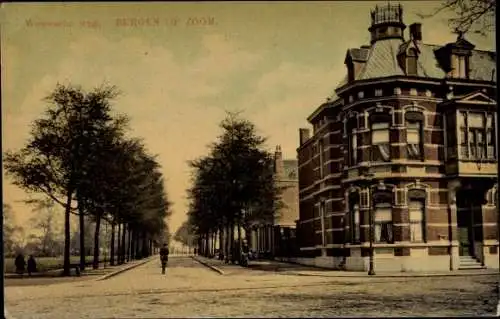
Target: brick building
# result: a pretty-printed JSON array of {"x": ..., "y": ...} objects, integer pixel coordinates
[
  {"x": 277, "y": 238},
  {"x": 408, "y": 138}
]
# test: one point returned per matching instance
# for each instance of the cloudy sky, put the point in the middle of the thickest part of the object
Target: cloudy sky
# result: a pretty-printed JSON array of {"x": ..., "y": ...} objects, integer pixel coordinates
[{"x": 275, "y": 62}]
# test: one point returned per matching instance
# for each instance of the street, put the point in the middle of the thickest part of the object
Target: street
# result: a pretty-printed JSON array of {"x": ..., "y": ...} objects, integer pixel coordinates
[{"x": 191, "y": 289}]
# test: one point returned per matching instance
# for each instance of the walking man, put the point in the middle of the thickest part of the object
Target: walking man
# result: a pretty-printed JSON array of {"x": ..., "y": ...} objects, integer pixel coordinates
[{"x": 164, "y": 257}]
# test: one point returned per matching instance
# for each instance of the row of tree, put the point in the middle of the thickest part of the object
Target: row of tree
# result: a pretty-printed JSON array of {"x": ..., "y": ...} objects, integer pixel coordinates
[
  {"x": 233, "y": 187},
  {"x": 80, "y": 156}
]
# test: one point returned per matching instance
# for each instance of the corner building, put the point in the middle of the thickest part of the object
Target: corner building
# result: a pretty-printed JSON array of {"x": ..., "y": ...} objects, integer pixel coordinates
[{"x": 408, "y": 138}]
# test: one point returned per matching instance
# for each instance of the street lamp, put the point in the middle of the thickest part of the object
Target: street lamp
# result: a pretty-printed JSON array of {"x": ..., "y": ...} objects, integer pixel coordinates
[{"x": 368, "y": 180}]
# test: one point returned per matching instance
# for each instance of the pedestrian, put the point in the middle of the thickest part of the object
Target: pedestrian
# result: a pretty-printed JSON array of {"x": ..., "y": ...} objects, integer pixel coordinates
[
  {"x": 20, "y": 263},
  {"x": 164, "y": 258},
  {"x": 31, "y": 265}
]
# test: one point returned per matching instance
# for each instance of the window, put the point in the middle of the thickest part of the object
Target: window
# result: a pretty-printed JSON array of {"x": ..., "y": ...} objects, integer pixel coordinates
[
  {"x": 350, "y": 71},
  {"x": 383, "y": 223},
  {"x": 490, "y": 137},
  {"x": 477, "y": 135},
  {"x": 464, "y": 148},
  {"x": 380, "y": 142},
  {"x": 322, "y": 216},
  {"x": 414, "y": 140},
  {"x": 462, "y": 71},
  {"x": 355, "y": 222},
  {"x": 321, "y": 158},
  {"x": 411, "y": 62},
  {"x": 353, "y": 148},
  {"x": 417, "y": 226}
]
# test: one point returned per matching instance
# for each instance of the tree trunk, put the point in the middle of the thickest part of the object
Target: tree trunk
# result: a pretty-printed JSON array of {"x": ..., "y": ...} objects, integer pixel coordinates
[
  {"x": 214, "y": 242},
  {"x": 248, "y": 235},
  {"x": 136, "y": 245},
  {"x": 231, "y": 240},
  {"x": 95, "y": 264},
  {"x": 206, "y": 244},
  {"x": 221, "y": 239},
  {"x": 122, "y": 252},
  {"x": 112, "y": 248},
  {"x": 127, "y": 245},
  {"x": 239, "y": 241},
  {"x": 81, "y": 218},
  {"x": 67, "y": 234},
  {"x": 144, "y": 245},
  {"x": 132, "y": 244},
  {"x": 119, "y": 244},
  {"x": 227, "y": 247}
]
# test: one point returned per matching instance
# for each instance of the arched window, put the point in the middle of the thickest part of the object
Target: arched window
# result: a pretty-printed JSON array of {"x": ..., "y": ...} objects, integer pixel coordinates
[
  {"x": 411, "y": 62},
  {"x": 380, "y": 137},
  {"x": 416, "y": 212},
  {"x": 382, "y": 217},
  {"x": 356, "y": 224},
  {"x": 414, "y": 135},
  {"x": 352, "y": 141}
]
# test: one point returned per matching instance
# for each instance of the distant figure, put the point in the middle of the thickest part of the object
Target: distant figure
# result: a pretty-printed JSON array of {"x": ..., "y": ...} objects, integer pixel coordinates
[
  {"x": 20, "y": 263},
  {"x": 31, "y": 265},
  {"x": 164, "y": 257}
]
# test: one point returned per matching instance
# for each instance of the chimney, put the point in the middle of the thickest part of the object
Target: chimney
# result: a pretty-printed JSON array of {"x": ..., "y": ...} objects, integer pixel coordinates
[
  {"x": 416, "y": 32},
  {"x": 304, "y": 135}
]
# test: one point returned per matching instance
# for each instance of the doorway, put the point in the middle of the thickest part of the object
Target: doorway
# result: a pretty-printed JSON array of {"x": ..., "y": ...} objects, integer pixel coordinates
[{"x": 469, "y": 223}]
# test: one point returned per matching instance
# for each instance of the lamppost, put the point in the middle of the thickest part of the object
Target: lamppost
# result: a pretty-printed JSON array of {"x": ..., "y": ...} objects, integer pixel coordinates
[{"x": 368, "y": 178}]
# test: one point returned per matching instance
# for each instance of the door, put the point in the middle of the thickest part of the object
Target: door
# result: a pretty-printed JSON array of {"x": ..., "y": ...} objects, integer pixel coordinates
[{"x": 465, "y": 231}]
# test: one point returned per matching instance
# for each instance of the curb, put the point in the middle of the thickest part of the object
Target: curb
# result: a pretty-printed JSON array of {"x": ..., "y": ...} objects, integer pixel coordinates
[
  {"x": 394, "y": 276},
  {"x": 119, "y": 271},
  {"x": 214, "y": 268}
]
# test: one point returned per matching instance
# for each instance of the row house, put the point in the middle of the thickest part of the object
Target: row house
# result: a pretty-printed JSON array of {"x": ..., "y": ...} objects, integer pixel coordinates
[
  {"x": 405, "y": 147},
  {"x": 277, "y": 237}
]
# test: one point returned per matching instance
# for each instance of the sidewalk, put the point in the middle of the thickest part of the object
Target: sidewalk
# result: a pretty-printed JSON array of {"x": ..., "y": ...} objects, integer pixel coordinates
[
  {"x": 104, "y": 272},
  {"x": 303, "y": 270},
  {"x": 217, "y": 265}
]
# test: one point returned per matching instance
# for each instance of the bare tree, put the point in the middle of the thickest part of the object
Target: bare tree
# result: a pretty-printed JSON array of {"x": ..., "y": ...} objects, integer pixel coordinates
[
  {"x": 11, "y": 231},
  {"x": 477, "y": 16},
  {"x": 49, "y": 241}
]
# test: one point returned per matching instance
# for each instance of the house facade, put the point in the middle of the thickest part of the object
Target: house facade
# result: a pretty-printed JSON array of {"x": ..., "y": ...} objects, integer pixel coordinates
[
  {"x": 277, "y": 238},
  {"x": 405, "y": 150}
]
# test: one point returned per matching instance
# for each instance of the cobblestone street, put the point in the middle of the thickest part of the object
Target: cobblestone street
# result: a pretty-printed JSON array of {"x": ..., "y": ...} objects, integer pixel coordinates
[{"x": 191, "y": 289}]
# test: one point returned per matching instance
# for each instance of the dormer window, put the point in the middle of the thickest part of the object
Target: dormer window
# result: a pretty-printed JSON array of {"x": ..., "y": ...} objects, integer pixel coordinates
[
  {"x": 454, "y": 58},
  {"x": 462, "y": 67},
  {"x": 411, "y": 62},
  {"x": 350, "y": 71}
]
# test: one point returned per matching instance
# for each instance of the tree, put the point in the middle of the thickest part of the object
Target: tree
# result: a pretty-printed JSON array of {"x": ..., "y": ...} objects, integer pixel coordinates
[
  {"x": 184, "y": 235},
  {"x": 476, "y": 16},
  {"x": 234, "y": 179},
  {"x": 52, "y": 162},
  {"x": 49, "y": 240},
  {"x": 10, "y": 230}
]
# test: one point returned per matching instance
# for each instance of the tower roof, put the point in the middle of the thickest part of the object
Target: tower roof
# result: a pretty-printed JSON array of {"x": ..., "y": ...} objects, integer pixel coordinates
[{"x": 387, "y": 14}]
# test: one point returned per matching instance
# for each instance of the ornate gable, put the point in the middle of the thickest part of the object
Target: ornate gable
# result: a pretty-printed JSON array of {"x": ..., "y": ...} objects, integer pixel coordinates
[{"x": 475, "y": 98}]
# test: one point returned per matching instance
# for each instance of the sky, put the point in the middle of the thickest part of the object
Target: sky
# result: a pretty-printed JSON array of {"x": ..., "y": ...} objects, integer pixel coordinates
[{"x": 181, "y": 66}]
